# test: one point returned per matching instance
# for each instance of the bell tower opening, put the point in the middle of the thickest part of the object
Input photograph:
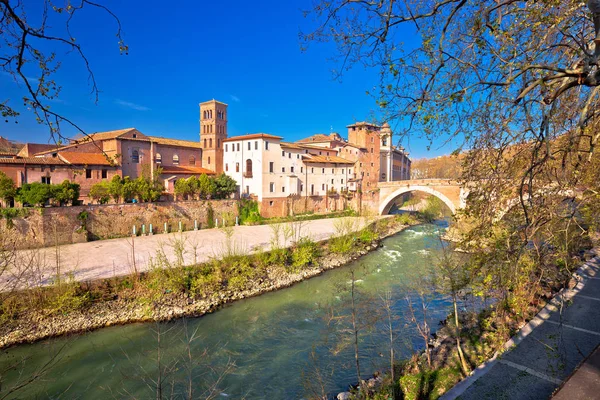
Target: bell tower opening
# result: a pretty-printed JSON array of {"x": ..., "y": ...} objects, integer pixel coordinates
[{"x": 213, "y": 130}]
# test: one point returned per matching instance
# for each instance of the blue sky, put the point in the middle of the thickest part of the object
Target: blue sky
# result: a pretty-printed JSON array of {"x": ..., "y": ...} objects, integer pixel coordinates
[{"x": 246, "y": 54}]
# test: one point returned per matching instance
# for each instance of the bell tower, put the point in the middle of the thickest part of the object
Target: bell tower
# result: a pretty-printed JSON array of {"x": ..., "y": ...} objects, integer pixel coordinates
[{"x": 213, "y": 130}]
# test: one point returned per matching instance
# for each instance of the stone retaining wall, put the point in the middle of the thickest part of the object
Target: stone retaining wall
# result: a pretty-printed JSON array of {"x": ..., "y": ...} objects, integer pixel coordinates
[{"x": 66, "y": 225}]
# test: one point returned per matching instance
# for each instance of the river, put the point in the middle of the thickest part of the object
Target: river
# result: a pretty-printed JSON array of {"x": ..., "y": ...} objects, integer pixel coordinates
[{"x": 275, "y": 346}]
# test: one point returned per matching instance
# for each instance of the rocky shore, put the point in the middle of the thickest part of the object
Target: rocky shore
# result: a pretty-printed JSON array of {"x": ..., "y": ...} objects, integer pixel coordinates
[{"x": 35, "y": 326}]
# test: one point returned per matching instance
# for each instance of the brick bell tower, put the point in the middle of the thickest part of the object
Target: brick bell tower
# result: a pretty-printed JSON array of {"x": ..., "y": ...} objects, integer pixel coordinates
[{"x": 213, "y": 130}]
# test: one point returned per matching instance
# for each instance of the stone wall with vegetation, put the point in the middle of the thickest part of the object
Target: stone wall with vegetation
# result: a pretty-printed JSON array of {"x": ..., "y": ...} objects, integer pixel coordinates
[{"x": 66, "y": 225}]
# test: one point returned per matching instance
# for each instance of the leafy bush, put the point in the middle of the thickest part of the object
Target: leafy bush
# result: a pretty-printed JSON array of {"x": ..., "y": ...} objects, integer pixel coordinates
[
  {"x": 8, "y": 189},
  {"x": 341, "y": 244},
  {"x": 37, "y": 193},
  {"x": 248, "y": 212},
  {"x": 100, "y": 192},
  {"x": 305, "y": 253}
]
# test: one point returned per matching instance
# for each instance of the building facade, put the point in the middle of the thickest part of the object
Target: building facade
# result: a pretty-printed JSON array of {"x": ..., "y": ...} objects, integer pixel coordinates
[{"x": 266, "y": 168}]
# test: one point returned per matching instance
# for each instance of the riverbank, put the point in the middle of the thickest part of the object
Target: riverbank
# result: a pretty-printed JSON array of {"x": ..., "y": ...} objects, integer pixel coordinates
[
  {"x": 172, "y": 290},
  {"x": 483, "y": 336}
]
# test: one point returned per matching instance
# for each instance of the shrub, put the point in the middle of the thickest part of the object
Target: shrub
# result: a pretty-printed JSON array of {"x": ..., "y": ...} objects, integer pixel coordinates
[
  {"x": 8, "y": 189},
  {"x": 206, "y": 282},
  {"x": 341, "y": 244},
  {"x": 305, "y": 253},
  {"x": 248, "y": 212},
  {"x": 100, "y": 192}
]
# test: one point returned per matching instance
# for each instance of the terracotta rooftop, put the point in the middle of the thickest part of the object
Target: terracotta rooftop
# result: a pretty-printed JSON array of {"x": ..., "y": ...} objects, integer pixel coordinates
[
  {"x": 252, "y": 136},
  {"x": 175, "y": 142},
  {"x": 33, "y": 161},
  {"x": 362, "y": 123},
  {"x": 289, "y": 145},
  {"x": 173, "y": 169},
  {"x": 312, "y": 146},
  {"x": 310, "y": 158},
  {"x": 320, "y": 137},
  {"x": 76, "y": 158}
]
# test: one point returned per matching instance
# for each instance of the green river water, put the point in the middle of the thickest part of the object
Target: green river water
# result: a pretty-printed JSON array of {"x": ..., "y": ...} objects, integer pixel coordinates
[{"x": 273, "y": 343}]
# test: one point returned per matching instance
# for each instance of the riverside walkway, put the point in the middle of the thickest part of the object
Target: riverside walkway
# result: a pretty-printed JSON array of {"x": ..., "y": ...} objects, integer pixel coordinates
[
  {"x": 547, "y": 351},
  {"x": 115, "y": 257}
]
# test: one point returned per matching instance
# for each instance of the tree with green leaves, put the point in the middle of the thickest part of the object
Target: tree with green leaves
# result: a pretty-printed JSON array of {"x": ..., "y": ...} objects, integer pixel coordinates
[
  {"x": 8, "y": 189},
  {"x": 100, "y": 192},
  {"x": 35, "y": 194},
  {"x": 66, "y": 192},
  {"x": 225, "y": 186},
  {"x": 115, "y": 188}
]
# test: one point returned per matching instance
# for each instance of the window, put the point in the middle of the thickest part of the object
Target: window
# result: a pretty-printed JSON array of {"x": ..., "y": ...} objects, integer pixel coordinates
[
  {"x": 292, "y": 170},
  {"x": 192, "y": 160},
  {"x": 323, "y": 170},
  {"x": 226, "y": 167},
  {"x": 320, "y": 153},
  {"x": 342, "y": 171},
  {"x": 176, "y": 159},
  {"x": 289, "y": 155},
  {"x": 134, "y": 135},
  {"x": 266, "y": 145},
  {"x": 301, "y": 169},
  {"x": 342, "y": 181},
  {"x": 283, "y": 189},
  {"x": 256, "y": 145},
  {"x": 271, "y": 167},
  {"x": 333, "y": 170},
  {"x": 312, "y": 189},
  {"x": 384, "y": 142},
  {"x": 247, "y": 189},
  {"x": 312, "y": 170},
  {"x": 371, "y": 139},
  {"x": 225, "y": 147},
  {"x": 158, "y": 158},
  {"x": 238, "y": 147},
  {"x": 210, "y": 142},
  {"x": 237, "y": 167},
  {"x": 332, "y": 181},
  {"x": 248, "y": 167},
  {"x": 46, "y": 180},
  {"x": 272, "y": 187},
  {"x": 271, "y": 203},
  {"x": 298, "y": 156},
  {"x": 372, "y": 164},
  {"x": 323, "y": 187},
  {"x": 249, "y": 146},
  {"x": 301, "y": 188},
  {"x": 88, "y": 173},
  {"x": 205, "y": 143},
  {"x": 135, "y": 156},
  {"x": 282, "y": 169},
  {"x": 104, "y": 174},
  {"x": 208, "y": 161},
  {"x": 371, "y": 150},
  {"x": 283, "y": 154}
]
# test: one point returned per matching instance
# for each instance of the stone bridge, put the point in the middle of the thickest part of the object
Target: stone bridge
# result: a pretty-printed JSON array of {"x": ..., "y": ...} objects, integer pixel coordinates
[{"x": 448, "y": 191}]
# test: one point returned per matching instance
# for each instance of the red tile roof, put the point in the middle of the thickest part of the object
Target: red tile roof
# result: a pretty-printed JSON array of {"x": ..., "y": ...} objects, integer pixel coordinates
[
  {"x": 321, "y": 137},
  {"x": 33, "y": 161},
  {"x": 252, "y": 136},
  {"x": 175, "y": 142},
  {"x": 75, "y": 158},
  {"x": 174, "y": 169},
  {"x": 310, "y": 158}
]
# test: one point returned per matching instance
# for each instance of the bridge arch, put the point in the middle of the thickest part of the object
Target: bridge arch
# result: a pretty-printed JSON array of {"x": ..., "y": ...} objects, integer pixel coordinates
[{"x": 386, "y": 204}]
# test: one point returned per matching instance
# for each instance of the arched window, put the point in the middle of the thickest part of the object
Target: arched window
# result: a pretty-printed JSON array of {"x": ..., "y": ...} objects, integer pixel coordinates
[
  {"x": 204, "y": 142},
  {"x": 135, "y": 156},
  {"x": 175, "y": 159},
  {"x": 192, "y": 160},
  {"x": 210, "y": 142},
  {"x": 248, "y": 168},
  {"x": 158, "y": 158},
  {"x": 208, "y": 160},
  {"x": 237, "y": 167}
]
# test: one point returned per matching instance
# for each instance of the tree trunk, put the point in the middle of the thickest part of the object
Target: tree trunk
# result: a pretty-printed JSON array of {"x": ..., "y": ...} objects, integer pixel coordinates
[{"x": 461, "y": 356}]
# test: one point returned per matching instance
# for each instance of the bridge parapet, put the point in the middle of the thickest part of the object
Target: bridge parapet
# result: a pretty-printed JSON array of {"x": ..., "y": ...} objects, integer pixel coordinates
[{"x": 449, "y": 191}]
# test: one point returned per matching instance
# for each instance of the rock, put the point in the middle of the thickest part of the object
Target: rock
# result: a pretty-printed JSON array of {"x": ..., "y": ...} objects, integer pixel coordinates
[{"x": 344, "y": 396}]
